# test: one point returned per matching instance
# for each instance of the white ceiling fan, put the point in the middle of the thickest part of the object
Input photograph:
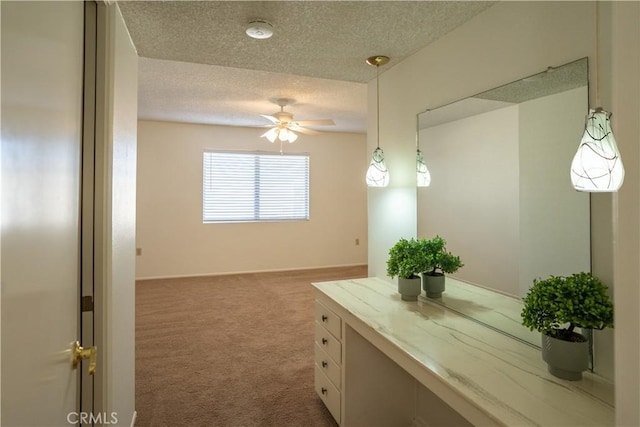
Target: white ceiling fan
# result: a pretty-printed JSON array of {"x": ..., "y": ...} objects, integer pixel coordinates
[{"x": 284, "y": 127}]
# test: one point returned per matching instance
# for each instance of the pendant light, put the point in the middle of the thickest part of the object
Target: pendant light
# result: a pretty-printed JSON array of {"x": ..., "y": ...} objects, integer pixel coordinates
[
  {"x": 597, "y": 165},
  {"x": 377, "y": 174},
  {"x": 423, "y": 177}
]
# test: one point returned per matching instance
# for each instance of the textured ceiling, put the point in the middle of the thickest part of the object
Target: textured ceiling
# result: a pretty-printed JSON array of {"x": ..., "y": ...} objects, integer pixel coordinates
[
  {"x": 198, "y": 65},
  {"x": 196, "y": 93}
]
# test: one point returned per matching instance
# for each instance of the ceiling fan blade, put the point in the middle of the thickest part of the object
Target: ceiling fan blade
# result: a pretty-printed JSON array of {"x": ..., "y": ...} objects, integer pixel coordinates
[
  {"x": 273, "y": 119},
  {"x": 323, "y": 122},
  {"x": 304, "y": 130}
]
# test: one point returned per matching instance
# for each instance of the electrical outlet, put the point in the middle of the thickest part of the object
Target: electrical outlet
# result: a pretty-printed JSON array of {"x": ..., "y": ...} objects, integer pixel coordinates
[
  {"x": 138, "y": 251},
  {"x": 357, "y": 242}
]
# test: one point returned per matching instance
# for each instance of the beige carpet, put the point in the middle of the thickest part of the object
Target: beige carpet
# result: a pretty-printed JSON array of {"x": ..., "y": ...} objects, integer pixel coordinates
[{"x": 229, "y": 350}]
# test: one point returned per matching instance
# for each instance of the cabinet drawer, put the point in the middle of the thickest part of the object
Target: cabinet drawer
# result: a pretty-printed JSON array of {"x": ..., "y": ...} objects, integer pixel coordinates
[
  {"x": 330, "y": 367},
  {"x": 329, "y": 320},
  {"x": 328, "y": 393},
  {"x": 328, "y": 343}
]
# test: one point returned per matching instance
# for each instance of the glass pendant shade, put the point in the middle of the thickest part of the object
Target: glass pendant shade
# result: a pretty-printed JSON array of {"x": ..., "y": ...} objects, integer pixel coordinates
[
  {"x": 292, "y": 136},
  {"x": 597, "y": 165},
  {"x": 282, "y": 134},
  {"x": 271, "y": 134},
  {"x": 422, "y": 173},
  {"x": 377, "y": 174}
]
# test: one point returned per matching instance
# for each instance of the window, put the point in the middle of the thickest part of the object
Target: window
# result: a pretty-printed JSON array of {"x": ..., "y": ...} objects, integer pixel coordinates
[{"x": 239, "y": 186}]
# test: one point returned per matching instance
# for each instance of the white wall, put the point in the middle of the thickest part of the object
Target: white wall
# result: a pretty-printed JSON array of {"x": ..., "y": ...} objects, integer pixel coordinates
[
  {"x": 508, "y": 41},
  {"x": 505, "y": 43},
  {"x": 625, "y": 104},
  {"x": 175, "y": 242},
  {"x": 391, "y": 210},
  {"x": 473, "y": 199},
  {"x": 116, "y": 126}
]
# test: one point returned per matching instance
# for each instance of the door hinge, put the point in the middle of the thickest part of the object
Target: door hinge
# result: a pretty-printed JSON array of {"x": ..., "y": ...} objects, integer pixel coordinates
[{"x": 87, "y": 303}]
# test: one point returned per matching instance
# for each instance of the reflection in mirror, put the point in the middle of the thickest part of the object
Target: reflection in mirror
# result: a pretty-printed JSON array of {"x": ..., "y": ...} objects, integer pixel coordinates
[{"x": 500, "y": 190}]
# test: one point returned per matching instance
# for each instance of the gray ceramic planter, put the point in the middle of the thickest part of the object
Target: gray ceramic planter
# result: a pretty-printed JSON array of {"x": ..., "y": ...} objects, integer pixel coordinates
[
  {"x": 565, "y": 359},
  {"x": 433, "y": 285},
  {"x": 409, "y": 289}
]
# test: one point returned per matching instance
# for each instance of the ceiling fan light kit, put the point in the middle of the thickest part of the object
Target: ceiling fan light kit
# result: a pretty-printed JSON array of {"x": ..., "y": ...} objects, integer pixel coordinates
[
  {"x": 377, "y": 174},
  {"x": 259, "y": 29},
  {"x": 284, "y": 127}
]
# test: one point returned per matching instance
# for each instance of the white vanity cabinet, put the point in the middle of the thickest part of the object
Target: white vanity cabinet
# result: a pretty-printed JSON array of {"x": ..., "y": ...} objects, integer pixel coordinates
[
  {"x": 380, "y": 361},
  {"x": 328, "y": 358}
]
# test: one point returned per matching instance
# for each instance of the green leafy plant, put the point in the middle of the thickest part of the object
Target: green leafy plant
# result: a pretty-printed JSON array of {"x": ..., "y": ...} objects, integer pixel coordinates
[
  {"x": 557, "y": 305},
  {"x": 405, "y": 259},
  {"x": 436, "y": 260}
]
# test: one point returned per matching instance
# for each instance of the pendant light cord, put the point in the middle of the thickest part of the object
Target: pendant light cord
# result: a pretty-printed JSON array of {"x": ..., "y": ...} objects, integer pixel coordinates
[
  {"x": 378, "y": 104},
  {"x": 417, "y": 133},
  {"x": 597, "y": 54}
]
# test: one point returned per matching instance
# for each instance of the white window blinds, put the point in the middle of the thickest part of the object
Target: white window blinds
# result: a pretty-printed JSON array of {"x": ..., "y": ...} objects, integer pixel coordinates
[{"x": 240, "y": 186}]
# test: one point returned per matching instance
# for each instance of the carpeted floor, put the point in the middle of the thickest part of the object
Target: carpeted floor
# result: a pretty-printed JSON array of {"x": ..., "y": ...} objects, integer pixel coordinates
[{"x": 229, "y": 351}]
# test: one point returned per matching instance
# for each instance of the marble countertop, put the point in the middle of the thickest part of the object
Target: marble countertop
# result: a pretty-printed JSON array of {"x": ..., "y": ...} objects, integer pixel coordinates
[
  {"x": 479, "y": 372},
  {"x": 488, "y": 306}
]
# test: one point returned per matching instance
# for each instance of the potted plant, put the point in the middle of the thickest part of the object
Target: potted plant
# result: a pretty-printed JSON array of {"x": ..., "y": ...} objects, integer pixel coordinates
[
  {"x": 556, "y": 307},
  {"x": 405, "y": 262},
  {"x": 436, "y": 262}
]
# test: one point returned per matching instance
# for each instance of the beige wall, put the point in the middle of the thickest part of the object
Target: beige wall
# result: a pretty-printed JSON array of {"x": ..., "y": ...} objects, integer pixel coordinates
[
  {"x": 175, "y": 242},
  {"x": 505, "y": 43}
]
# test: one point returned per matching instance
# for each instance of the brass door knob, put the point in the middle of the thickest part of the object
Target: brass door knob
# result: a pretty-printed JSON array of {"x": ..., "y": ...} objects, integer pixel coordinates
[{"x": 78, "y": 353}]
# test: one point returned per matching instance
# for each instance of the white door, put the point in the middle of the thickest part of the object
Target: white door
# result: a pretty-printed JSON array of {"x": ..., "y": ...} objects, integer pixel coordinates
[{"x": 42, "y": 100}]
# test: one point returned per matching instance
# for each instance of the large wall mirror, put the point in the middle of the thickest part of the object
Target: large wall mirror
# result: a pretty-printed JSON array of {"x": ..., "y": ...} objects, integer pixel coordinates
[{"x": 500, "y": 191}]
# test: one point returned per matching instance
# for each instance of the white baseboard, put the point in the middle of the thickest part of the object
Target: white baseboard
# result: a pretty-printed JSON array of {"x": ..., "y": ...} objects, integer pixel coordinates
[
  {"x": 229, "y": 273},
  {"x": 133, "y": 418}
]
